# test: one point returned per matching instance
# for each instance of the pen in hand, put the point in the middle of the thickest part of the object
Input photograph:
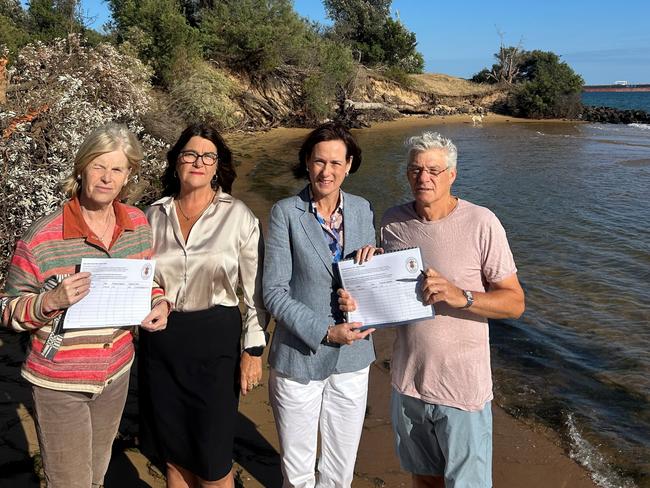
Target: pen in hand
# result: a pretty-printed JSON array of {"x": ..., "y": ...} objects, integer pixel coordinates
[{"x": 406, "y": 280}]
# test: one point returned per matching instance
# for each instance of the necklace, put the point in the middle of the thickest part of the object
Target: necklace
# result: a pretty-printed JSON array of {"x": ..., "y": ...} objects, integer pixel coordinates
[
  {"x": 107, "y": 224},
  {"x": 185, "y": 216}
]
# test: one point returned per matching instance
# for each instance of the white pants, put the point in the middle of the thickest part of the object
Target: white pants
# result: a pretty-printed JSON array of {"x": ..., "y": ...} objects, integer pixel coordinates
[{"x": 336, "y": 407}]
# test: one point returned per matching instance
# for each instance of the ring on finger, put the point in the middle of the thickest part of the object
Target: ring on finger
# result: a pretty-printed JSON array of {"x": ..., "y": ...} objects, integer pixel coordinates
[{"x": 76, "y": 291}]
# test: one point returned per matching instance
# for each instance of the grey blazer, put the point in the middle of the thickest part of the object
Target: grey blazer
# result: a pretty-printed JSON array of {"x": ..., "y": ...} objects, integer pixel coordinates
[{"x": 300, "y": 283}]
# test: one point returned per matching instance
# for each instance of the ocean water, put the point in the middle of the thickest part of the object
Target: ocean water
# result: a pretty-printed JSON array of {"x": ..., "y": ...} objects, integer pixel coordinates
[
  {"x": 574, "y": 201},
  {"x": 620, "y": 100}
]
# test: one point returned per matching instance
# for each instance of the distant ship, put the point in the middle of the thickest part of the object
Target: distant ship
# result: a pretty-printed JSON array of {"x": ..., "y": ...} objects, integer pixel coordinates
[{"x": 618, "y": 86}]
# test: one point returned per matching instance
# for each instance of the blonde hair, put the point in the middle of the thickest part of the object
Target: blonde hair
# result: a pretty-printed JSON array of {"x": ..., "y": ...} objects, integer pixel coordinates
[{"x": 107, "y": 138}]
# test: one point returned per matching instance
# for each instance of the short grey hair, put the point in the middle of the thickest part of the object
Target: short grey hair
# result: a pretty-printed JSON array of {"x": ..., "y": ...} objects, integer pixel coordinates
[{"x": 431, "y": 140}]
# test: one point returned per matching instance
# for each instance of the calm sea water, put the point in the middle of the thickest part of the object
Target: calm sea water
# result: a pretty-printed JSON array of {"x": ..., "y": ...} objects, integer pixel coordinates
[
  {"x": 620, "y": 100},
  {"x": 574, "y": 201}
]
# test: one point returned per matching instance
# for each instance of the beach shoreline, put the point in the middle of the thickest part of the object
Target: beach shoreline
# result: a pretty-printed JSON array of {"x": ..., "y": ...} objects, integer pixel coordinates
[{"x": 524, "y": 455}]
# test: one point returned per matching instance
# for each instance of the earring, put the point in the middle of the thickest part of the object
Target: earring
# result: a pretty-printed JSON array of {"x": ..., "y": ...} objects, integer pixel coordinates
[
  {"x": 175, "y": 174},
  {"x": 347, "y": 173},
  {"x": 78, "y": 177}
]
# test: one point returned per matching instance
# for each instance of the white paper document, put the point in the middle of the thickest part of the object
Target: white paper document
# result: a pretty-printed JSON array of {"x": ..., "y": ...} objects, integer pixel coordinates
[
  {"x": 386, "y": 289},
  {"x": 120, "y": 294}
]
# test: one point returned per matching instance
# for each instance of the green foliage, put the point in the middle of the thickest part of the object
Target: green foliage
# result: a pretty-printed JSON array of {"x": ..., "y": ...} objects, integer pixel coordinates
[
  {"x": 399, "y": 47},
  {"x": 551, "y": 88},
  {"x": 375, "y": 37},
  {"x": 12, "y": 9},
  {"x": 259, "y": 36},
  {"x": 50, "y": 19},
  {"x": 400, "y": 76},
  {"x": 483, "y": 76},
  {"x": 543, "y": 85},
  {"x": 328, "y": 80},
  {"x": 256, "y": 35},
  {"x": 11, "y": 35},
  {"x": 44, "y": 20},
  {"x": 155, "y": 30},
  {"x": 507, "y": 69},
  {"x": 200, "y": 91},
  {"x": 359, "y": 22}
]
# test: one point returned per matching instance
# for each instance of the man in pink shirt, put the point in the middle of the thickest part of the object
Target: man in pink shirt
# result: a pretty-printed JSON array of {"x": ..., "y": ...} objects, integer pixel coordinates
[{"x": 441, "y": 377}]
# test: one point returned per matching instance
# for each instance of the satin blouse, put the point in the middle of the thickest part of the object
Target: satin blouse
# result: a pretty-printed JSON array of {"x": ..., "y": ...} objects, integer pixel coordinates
[{"x": 223, "y": 250}]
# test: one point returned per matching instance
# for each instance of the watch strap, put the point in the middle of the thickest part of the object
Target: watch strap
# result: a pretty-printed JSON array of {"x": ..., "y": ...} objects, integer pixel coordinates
[{"x": 256, "y": 351}]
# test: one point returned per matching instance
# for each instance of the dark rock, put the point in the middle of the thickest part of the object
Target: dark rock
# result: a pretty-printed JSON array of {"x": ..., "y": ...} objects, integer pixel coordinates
[{"x": 611, "y": 115}]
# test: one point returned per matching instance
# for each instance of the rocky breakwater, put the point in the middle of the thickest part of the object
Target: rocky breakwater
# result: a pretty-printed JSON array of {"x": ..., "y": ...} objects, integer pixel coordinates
[{"x": 611, "y": 115}]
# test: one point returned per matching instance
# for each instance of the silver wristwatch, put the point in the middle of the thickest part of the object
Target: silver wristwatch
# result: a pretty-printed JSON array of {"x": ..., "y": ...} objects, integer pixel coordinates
[{"x": 469, "y": 296}]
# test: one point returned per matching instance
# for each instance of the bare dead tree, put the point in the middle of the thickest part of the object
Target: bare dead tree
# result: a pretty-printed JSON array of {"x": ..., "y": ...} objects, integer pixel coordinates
[{"x": 509, "y": 62}]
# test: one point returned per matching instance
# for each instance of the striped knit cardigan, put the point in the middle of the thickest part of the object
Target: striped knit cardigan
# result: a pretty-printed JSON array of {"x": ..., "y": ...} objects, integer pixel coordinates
[{"x": 88, "y": 359}]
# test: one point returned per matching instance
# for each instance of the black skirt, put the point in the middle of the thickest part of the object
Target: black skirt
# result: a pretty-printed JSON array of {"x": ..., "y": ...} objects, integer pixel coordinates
[{"x": 188, "y": 381}]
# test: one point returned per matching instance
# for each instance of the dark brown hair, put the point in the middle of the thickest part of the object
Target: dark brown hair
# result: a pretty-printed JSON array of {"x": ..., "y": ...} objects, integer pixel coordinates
[
  {"x": 329, "y": 131},
  {"x": 225, "y": 170}
]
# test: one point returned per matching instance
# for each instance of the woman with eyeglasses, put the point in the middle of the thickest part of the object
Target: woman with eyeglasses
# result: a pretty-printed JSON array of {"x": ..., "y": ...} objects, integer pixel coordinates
[{"x": 206, "y": 245}]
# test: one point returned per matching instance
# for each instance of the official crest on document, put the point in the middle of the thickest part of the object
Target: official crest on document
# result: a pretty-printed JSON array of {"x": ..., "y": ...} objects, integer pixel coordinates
[
  {"x": 412, "y": 265},
  {"x": 146, "y": 271}
]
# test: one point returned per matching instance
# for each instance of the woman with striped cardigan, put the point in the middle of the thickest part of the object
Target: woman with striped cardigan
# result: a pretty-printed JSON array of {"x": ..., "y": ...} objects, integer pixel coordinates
[{"x": 79, "y": 377}]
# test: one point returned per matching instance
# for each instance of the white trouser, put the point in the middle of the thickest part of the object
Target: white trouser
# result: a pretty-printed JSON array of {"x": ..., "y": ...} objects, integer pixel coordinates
[{"x": 336, "y": 406}]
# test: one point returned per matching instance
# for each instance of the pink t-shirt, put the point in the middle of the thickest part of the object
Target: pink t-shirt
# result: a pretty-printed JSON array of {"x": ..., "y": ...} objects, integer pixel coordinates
[{"x": 446, "y": 360}]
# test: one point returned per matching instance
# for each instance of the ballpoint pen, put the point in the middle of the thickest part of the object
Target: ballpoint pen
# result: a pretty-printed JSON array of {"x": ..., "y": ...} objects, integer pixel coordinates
[{"x": 405, "y": 280}]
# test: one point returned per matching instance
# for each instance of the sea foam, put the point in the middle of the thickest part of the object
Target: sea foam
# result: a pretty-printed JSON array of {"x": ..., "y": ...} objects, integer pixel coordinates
[
  {"x": 640, "y": 126},
  {"x": 586, "y": 454}
]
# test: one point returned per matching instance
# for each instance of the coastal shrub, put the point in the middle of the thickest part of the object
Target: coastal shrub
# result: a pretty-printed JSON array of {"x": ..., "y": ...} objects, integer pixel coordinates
[
  {"x": 507, "y": 69},
  {"x": 12, "y": 35},
  {"x": 400, "y": 48},
  {"x": 375, "y": 38},
  {"x": 61, "y": 91},
  {"x": 49, "y": 19},
  {"x": 199, "y": 91},
  {"x": 43, "y": 20},
  {"x": 156, "y": 31},
  {"x": 400, "y": 76},
  {"x": 483, "y": 76},
  {"x": 328, "y": 82},
  {"x": 257, "y": 36},
  {"x": 551, "y": 89},
  {"x": 543, "y": 86}
]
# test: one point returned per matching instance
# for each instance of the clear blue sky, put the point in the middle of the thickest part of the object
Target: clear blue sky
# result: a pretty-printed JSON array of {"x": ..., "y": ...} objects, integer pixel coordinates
[{"x": 604, "y": 41}]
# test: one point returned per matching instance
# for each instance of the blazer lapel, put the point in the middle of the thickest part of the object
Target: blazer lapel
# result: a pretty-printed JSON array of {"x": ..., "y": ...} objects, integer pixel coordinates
[
  {"x": 350, "y": 226},
  {"x": 314, "y": 231}
]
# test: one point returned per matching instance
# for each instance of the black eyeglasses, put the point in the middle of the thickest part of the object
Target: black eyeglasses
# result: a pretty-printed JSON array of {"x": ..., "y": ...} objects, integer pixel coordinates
[
  {"x": 416, "y": 171},
  {"x": 191, "y": 157}
]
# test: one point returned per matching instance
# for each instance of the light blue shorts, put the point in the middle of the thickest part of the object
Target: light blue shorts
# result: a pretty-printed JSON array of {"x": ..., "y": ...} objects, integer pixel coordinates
[{"x": 436, "y": 440}]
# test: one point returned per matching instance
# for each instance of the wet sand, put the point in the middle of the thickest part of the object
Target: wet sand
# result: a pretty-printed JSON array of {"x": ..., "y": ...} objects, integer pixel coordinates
[{"x": 523, "y": 456}]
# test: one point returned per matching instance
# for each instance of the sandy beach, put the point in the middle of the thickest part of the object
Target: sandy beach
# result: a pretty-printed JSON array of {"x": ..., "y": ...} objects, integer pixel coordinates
[{"x": 523, "y": 456}]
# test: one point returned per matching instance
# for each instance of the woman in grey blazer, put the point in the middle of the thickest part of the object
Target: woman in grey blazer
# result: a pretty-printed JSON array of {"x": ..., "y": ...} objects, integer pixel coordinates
[{"x": 319, "y": 362}]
